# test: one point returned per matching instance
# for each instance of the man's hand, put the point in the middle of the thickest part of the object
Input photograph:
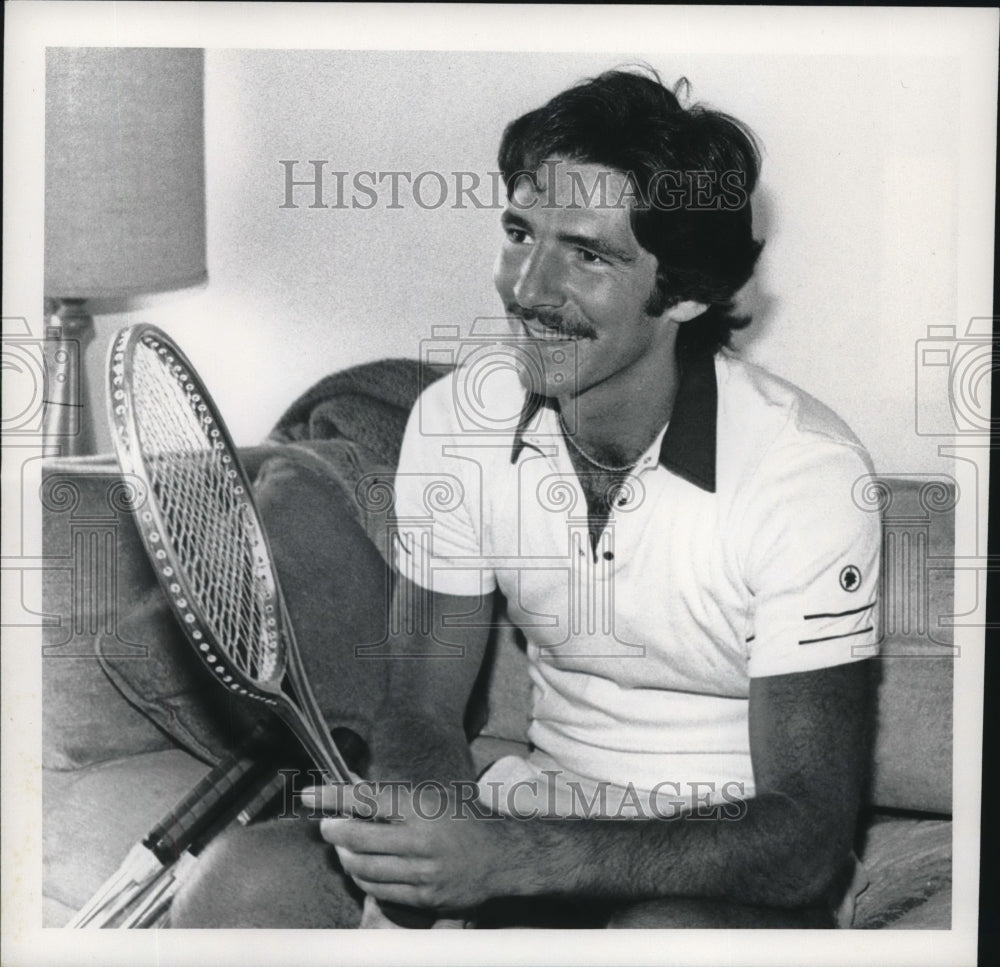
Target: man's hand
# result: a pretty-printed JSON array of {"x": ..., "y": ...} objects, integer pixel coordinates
[{"x": 428, "y": 847}]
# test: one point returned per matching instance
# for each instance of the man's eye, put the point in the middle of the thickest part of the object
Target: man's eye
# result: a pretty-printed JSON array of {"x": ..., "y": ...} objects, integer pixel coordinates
[
  {"x": 517, "y": 235},
  {"x": 587, "y": 256}
]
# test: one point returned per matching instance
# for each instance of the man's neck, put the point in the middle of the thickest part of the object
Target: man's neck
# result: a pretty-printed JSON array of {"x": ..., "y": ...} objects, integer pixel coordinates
[{"x": 621, "y": 416}]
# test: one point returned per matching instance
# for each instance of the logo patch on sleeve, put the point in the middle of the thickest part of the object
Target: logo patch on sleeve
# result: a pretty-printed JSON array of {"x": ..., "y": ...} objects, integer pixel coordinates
[{"x": 850, "y": 578}]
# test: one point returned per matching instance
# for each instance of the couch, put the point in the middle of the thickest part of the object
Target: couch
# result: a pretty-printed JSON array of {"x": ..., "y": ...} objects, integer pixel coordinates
[{"x": 131, "y": 721}]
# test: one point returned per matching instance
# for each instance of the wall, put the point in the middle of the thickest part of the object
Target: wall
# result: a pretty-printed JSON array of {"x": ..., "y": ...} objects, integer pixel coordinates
[{"x": 858, "y": 205}]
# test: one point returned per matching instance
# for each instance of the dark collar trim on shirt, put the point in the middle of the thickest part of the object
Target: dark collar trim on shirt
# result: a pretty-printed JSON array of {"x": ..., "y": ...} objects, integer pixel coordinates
[
  {"x": 532, "y": 404},
  {"x": 688, "y": 447}
]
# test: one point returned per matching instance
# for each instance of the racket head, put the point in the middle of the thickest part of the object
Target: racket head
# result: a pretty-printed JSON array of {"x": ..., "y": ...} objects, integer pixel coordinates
[{"x": 197, "y": 519}]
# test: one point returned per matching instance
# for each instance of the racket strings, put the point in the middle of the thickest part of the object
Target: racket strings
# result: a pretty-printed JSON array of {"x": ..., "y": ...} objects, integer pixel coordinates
[
  {"x": 224, "y": 586},
  {"x": 218, "y": 562},
  {"x": 205, "y": 516},
  {"x": 201, "y": 528}
]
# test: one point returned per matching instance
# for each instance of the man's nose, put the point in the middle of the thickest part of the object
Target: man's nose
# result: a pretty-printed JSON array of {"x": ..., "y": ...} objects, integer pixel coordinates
[{"x": 539, "y": 280}]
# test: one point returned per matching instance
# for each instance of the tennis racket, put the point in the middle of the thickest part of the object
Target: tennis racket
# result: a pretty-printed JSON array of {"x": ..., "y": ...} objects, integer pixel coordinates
[
  {"x": 152, "y": 906},
  {"x": 199, "y": 524},
  {"x": 218, "y": 793}
]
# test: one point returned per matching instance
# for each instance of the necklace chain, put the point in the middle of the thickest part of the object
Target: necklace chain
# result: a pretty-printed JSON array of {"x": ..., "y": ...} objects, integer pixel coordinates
[{"x": 586, "y": 456}]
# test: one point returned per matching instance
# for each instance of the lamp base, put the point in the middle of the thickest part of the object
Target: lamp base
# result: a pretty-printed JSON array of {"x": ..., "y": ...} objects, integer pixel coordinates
[{"x": 69, "y": 329}]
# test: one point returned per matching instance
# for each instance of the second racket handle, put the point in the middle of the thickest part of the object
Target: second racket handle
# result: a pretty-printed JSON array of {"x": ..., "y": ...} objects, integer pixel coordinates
[{"x": 186, "y": 821}]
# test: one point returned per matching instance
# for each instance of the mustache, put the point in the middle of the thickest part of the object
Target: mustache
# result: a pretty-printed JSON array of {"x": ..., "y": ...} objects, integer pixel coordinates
[{"x": 556, "y": 322}]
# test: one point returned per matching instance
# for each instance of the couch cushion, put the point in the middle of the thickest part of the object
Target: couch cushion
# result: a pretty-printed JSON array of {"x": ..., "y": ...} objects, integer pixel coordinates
[
  {"x": 170, "y": 685},
  {"x": 934, "y": 913},
  {"x": 336, "y": 585},
  {"x": 85, "y": 720},
  {"x": 93, "y": 816},
  {"x": 908, "y": 861},
  {"x": 507, "y": 687}
]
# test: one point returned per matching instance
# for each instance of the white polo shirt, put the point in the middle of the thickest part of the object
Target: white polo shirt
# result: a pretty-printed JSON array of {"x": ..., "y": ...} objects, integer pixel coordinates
[{"x": 736, "y": 550}]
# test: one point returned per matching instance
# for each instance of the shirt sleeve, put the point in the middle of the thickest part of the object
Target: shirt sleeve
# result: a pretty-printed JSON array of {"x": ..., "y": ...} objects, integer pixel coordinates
[
  {"x": 812, "y": 561},
  {"x": 437, "y": 530}
]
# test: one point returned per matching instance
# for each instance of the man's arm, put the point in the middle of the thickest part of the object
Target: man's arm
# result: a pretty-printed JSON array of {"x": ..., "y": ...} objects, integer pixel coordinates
[
  {"x": 809, "y": 735},
  {"x": 433, "y": 664}
]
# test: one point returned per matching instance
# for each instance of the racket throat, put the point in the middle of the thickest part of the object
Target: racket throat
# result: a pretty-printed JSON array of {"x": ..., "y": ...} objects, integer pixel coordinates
[{"x": 310, "y": 728}]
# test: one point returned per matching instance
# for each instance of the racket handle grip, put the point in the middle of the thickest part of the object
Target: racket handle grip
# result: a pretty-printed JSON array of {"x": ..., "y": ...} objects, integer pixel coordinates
[
  {"x": 195, "y": 813},
  {"x": 265, "y": 796}
]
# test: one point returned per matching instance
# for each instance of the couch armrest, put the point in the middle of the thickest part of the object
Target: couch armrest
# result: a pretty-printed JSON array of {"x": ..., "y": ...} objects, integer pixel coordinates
[
  {"x": 89, "y": 571},
  {"x": 912, "y": 762}
]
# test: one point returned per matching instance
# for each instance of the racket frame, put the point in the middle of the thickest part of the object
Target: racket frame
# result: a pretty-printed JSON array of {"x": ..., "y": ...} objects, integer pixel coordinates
[{"x": 299, "y": 710}]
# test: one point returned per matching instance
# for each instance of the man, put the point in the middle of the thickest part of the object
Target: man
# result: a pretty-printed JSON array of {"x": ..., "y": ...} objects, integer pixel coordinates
[{"x": 673, "y": 531}]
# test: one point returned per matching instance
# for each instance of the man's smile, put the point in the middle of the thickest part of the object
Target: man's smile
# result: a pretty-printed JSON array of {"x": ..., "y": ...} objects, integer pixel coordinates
[{"x": 551, "y": 326}]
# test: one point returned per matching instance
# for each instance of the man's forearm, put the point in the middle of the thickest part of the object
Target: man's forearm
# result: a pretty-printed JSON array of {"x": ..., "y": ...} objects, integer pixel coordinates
[
  {"x": 778, "y": 853},
  {"x": 415, "y": 748},
  {"x": 418, "y": 732}
]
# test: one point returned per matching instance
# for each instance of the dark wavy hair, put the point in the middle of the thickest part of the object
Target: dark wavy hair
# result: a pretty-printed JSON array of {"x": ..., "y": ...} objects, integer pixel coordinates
[{"x": 700, "y": 231}]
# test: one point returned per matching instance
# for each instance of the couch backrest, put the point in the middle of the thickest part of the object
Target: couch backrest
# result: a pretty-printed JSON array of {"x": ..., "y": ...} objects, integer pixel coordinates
[{"x": 95, "y": 566}]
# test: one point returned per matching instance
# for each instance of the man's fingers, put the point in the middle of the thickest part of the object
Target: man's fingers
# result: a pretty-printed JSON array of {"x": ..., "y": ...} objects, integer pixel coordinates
[
  {"x": 372, "y": 837},
  {"x": 364, "y": 799},
  {"x": 404, "y": 894},
  {"x": 379, "y": 868},
  {"x": 389, "y": 801}
]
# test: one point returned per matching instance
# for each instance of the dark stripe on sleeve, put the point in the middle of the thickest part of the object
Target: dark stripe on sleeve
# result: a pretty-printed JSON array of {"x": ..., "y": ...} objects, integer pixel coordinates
[
  {"x": 839, "y": 614},
  {"x": 850, "y": 634}
]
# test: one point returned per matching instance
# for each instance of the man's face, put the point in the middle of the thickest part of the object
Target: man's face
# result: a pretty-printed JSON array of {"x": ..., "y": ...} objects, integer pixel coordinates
[{"x": 576, "y": 283}]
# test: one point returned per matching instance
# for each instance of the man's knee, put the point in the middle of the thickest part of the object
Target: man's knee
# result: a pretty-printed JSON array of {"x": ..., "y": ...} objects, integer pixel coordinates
[
  {"x": 685, "y": 912},
  {"x": 277, "y": 874}
]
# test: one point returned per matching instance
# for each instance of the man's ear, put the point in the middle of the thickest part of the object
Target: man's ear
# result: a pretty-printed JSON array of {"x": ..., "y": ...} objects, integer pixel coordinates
[{"x": 686, "y": 310}]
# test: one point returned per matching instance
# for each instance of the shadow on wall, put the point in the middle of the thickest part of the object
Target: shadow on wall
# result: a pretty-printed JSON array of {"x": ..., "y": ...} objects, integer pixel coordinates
[{"x": 756, "y": 299}]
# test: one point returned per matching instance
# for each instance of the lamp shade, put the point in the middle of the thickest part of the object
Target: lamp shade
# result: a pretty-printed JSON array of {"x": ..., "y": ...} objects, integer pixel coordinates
[{"x": 124, "y": 172}]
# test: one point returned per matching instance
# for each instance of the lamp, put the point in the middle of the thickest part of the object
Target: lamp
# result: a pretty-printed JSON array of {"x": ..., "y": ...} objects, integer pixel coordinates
[{"x": 124, "y": 202}]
